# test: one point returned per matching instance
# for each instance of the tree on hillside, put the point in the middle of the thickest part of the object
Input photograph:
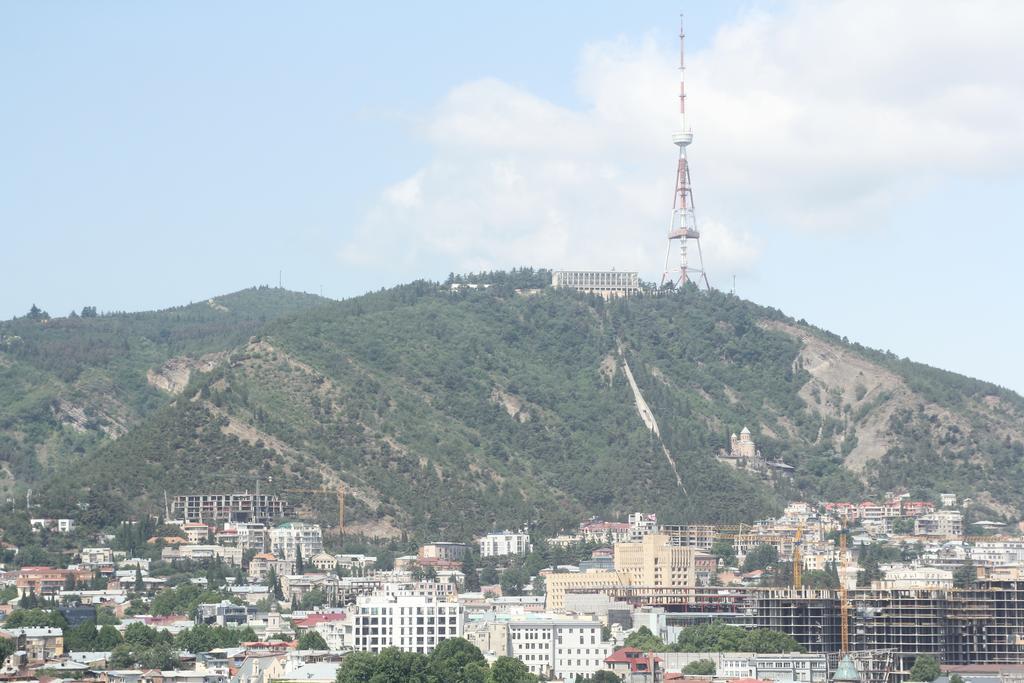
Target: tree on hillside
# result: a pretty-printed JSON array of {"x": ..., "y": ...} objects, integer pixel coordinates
[{"x": 925, "y": 669}]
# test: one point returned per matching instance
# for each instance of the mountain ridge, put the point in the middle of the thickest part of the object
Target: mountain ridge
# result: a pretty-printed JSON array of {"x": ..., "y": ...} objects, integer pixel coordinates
[{"x": 452, "y": 412}]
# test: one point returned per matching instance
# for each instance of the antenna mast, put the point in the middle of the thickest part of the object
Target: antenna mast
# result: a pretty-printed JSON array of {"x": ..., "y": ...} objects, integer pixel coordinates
[{"x": 683, "y": 226}]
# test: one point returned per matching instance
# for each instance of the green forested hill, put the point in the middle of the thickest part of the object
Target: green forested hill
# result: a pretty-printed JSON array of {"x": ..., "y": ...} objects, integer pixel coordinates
[
  {"x": 446, "y": 413},
  {"x": 69, "y": 385}
]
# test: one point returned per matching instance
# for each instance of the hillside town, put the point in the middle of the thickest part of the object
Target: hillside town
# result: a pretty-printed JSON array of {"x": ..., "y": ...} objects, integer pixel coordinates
[{"x": 865, "y": 589}]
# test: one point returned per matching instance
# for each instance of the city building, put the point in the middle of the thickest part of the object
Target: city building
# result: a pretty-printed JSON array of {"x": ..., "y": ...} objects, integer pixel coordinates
[
  {"x": 286, "y": 538},
  {"x": 560, "y": 648},
  {"x": 558, "y": 584},
  {"x": 641, "y": 524},
  {"x": 247, "y": 535},
  {"x": 97, "y": 556},
  {"x": 228, "y": 507},
  {"x": 948, "y": 523},
  {"x": 203, "y": 553},
  {"x": 654, "y": 562},
  {"x": 61, "y": 526},
  {"x": 40, "y": 643},
  {"x": 604, "y": 283},
  {"x": 411, "y": 623},
  {"x": 443, "y": 551},
  {"x": 224, "y": 613},
  {"x": 505, "y": 543}
]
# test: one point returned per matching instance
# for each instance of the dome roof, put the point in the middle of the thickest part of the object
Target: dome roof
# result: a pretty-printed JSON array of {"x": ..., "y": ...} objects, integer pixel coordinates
[
  {"x": 846, "y": 671},
  {"x": 745, "y": 431}
]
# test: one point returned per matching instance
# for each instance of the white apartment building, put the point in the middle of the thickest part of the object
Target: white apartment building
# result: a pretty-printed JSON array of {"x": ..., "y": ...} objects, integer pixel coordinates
[
  {"x": 908, "y": 578},
  {"x": 203, "y": 553},
  {"x": 410, "y": 623},
  {"x": 787, "y": 667},
  {"x": 997, "y": 553},
  {"x": 97, "y": 556},
  {"x": 641, "y": 524},
  {"x": 941, "y": 523},
  {"x": 559, "y": 648},
  {"x": 248, "y": 535},
  {"x": 285, "y": 538},
  {"x": 505, "y": 543}
]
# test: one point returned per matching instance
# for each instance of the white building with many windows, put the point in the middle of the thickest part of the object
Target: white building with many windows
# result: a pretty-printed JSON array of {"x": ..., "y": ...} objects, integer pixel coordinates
[
  {"x": 562, "y": 648},
  {"x": 285, "y": 538},
  {"x": 411, "y": 623},
  {"x": 505, "y": 543}
]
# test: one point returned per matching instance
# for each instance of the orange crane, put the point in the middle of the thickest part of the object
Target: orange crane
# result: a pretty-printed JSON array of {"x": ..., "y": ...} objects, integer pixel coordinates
[
  {"x": 339, "y": 491},
  {"x": 798, "y": 560}
]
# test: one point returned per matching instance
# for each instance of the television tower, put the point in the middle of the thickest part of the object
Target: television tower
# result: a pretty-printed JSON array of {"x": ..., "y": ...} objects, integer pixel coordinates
[{"x": 683, "y": 226}]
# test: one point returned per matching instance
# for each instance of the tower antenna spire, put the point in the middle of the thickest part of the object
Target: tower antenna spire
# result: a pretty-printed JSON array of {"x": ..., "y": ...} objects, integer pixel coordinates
[{"x": 683, "y": 225}]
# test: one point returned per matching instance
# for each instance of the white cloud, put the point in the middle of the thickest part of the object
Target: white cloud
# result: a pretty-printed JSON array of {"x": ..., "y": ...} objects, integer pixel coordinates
[{"x": 820, "y": 117}]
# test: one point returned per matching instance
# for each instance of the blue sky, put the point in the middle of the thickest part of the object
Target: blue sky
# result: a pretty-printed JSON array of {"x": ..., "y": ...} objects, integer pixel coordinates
[{"x": 854, "y": 164}]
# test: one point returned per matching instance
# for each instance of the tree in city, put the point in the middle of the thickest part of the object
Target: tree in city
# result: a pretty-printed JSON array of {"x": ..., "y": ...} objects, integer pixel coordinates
[
  {"x": 7, "y": 648},
  {"x": 509, "y": 670},
  {"x": 819, "y": 578},
  {"x": 925, "y": 669},
  {"x": 700, "y": 667},
  {"x": 512, "y": 581},
  {"x": 761, "y": 557},
  {"x": 311, "y": 640},
  {"x": 300, "y": 567},
  {"x": 604, "y": 676},
  {"x": 723, "y": 549},
  {"x": 965, "y": 575},
  {"x": 644, "y": 639},
  {"x": 450, "y": 659},
  {"x": 107, "y": 638}
]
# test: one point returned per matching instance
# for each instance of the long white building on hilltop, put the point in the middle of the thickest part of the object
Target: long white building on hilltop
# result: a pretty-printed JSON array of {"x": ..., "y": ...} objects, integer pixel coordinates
[{"x": 605, "y": 283}]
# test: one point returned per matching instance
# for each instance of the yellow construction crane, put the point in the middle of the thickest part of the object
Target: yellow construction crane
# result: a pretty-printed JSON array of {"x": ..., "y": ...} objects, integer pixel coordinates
[
  {"x": 339, "y": 491},
  {"x": 844, "y": 605},
  {"x": 798, "y": 560}
]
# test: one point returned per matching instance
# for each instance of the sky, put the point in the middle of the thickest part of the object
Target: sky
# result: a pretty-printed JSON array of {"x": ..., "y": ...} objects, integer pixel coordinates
[{"x": 855, "y": 164}]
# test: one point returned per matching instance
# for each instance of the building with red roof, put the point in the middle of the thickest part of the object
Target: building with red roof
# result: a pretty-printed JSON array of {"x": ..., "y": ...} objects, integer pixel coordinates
[{"x": 635, "y": 662}]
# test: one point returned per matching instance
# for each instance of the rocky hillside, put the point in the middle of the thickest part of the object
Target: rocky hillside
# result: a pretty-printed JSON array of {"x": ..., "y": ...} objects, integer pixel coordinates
[
  {"x": 70, "y": 385},
  {"x": 450, "y": 412}
]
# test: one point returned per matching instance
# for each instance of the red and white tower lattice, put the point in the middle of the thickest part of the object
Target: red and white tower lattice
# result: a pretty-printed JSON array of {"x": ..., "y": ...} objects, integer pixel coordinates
[{"x": 683, "y": 226}]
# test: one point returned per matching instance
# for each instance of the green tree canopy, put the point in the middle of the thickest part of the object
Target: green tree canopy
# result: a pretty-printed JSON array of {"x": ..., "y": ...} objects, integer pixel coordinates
[
  {"x": 761, "y": 557},
  {"x": 925, "y": 669},
  {"x": 509, "y": 670},
  {"x": 701, "y": 667},
  {"x": 449, "y": 660},
  {"x": 311, "y": 640}
]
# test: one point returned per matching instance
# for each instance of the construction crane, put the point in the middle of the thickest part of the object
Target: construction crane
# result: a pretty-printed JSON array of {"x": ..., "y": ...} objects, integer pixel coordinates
[
  {"x": 339, "y": 491},
  {"x": 798, "y": 560},
  {"x": 844, "y": 605}
]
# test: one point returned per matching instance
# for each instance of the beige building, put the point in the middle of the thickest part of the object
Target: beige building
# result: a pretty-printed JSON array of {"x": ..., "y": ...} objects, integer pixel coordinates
[
  {"x": 556, "y": 585},
  {"x": 655, "y": 563}
]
